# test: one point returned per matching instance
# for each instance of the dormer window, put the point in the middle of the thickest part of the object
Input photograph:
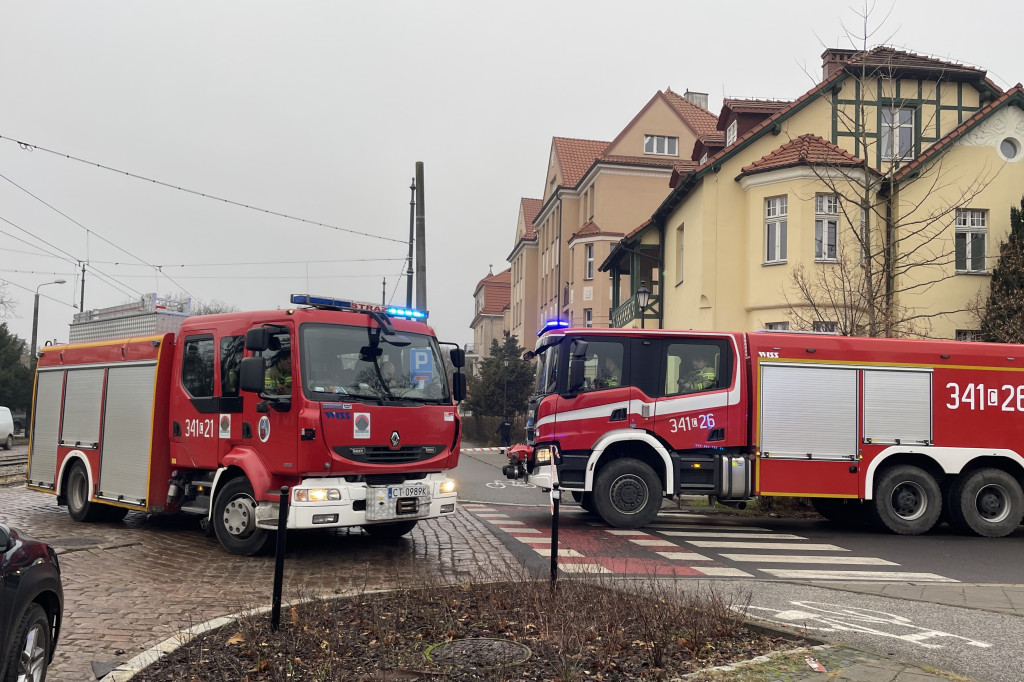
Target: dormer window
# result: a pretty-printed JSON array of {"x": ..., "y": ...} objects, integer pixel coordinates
[
  {"x": 730, "y": 133},
  {"x": 704, "y": 158},
  {"x": 661, "y": 145}
]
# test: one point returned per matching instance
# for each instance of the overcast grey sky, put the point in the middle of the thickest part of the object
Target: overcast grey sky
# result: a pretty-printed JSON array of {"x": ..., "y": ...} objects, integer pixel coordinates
[{"x": 319, "y": 110}]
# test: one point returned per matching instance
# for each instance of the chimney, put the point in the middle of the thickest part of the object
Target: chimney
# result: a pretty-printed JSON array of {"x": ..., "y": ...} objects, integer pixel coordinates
[
  {"x": 835, "y": 59},
  {"x": 698, "y": 98}
]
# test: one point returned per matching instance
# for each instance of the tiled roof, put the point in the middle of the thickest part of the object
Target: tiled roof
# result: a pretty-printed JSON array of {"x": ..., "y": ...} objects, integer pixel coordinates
[
  {"x": 531, "y": 207},
  {"x": 754, "y": 105},
  {"x": 576, "y": 156},
  {"x": 885, "y": 57},
  {"x": 639, "y": 160},
  {"x": 639, "y": 227},
  {"x": 591, "y": 229},
  {"x": 700, "y": 119},
  {"x": 951, "y": 137},
  {"x": 806, "y": 149},
  {"x": 497, "y": 292}
]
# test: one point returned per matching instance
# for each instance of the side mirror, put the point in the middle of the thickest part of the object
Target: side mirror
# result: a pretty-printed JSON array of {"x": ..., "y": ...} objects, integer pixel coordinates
[
  {"x": 257, "y": 339},
  {"x": 458, "y": 357},
  {"x": 370, "y": 353},
  {"x": 251, "y": 372},
  {"x": 579, "y": 348},
  {"x": 459, "y": 387},
  {"x": 576, "y": 369}
]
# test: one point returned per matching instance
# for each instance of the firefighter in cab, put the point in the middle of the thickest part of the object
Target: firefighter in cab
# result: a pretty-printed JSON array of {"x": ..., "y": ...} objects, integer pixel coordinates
[
  {"x": 702, "y": 374},
  {"x": 278, "y": 379}
]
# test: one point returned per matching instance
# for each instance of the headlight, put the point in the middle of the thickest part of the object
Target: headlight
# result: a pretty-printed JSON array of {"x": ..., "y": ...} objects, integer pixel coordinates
[
  {"x": 317, "y": 494},
  {"x": 542, "y": 455},
  {"x": 447, "y": 486}
]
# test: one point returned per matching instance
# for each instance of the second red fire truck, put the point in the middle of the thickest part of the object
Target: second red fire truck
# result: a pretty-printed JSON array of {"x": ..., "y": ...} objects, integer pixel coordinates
[
  {"x": 349, "y": 404},
  {"x": 901, "y": 432}
]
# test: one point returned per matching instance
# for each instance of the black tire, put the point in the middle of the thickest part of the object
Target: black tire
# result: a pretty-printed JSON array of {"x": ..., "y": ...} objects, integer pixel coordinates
[
  {"x": 234, "y": 519},
  {"x": 584, "y": 500},
  {"x": 841, "y": 512},
  {"x": 30, "y": 647},
  {"x": 627, "y": 493},
  {"x": 907, "y": 501},
  {"x": 9, "y": 443},
  {"x": 113, "y": 514},
  {"x": 395, "y": 529},
  {"x": 986, "y": 502},
  {"x": 77, "y": 494}
]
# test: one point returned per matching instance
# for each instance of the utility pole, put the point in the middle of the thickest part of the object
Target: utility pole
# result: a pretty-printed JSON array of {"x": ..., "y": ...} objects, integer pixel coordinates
[
  {"x": 81, "y": 301},
  {"x": 384, "y": 291},
  {"x": 412, "y": 234},
  {"x": 421, "y": 242}
]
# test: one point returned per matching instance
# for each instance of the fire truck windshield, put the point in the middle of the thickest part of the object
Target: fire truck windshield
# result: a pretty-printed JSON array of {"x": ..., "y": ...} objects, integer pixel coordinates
[
  {"x": 547, "y": 369},
  {"x": 342, "y": 362}
]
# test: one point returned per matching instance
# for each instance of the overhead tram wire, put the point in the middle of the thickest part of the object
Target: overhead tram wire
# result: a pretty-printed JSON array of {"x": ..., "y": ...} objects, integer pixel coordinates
[
  {"x": 270, "y": 262},
  {"x": 93, "y": 233},
  {"x": 29, "y": 146}
]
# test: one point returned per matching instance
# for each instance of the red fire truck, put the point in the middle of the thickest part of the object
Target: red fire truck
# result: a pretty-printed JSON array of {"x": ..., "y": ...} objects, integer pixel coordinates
[
  {"x": 348, "y": 404},
  {"x": 900, "y": 432}
]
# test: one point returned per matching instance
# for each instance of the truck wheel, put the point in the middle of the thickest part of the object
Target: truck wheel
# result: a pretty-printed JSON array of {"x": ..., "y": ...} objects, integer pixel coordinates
[
  {"x": 987, "y": 502},
  {"x": 627, "y": 493},
  {"x": 907, "y": 500},
  {"x": 234, "y": 519},
  {"x": 395, "y": 529},
  {"x": 30, "y": 648},
  {"x": 77, "y": 493},
  {"x": 9, "y": 443},
  {"x": 841, "y": 512}
]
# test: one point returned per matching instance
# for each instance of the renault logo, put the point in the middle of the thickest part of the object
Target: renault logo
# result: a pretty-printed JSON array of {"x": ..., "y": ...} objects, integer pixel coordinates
[{"x": 395, "y": 439}]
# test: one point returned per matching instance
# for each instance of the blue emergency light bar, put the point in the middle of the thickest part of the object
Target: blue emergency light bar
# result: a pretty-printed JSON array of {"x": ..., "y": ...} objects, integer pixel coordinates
[
  {"x": 328, "y": 303},
  {"x": 553, "y": 324}
]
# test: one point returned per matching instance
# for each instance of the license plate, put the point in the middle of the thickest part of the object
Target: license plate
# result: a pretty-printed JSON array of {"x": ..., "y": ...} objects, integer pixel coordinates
[{"x": 382, "y": 503}]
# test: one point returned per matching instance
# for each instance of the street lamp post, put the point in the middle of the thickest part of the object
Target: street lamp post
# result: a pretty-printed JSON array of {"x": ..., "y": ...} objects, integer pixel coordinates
[
  {"x": 35, "y": 319},
  {"x": 643, "y": 297},
  {"x": 504, "y": 408}
]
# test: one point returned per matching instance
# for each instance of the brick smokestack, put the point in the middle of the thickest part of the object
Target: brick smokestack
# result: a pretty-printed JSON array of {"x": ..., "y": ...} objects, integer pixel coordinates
[{"x": 834, "y": 59}]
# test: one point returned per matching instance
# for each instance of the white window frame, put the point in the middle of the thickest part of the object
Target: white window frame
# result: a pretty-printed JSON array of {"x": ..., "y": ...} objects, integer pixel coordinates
[
  {"x": 661, "y": 145},
  {"x": 968, "y": 335},
  {"x": 971, "y": 234},
  {"x": 825, "y": 326},
  {"x": 680, "y": 233},
  {"x": 775, "y": 229},
  {"x": 826, "y": 227},
  {"x": 703, "y": 159},
  {"x": 730, "y": 133},
  {"x": 776, "y": 326},
  {"x": 896, "y": 134},
  {"x": 588, "y": 317},
  {"x": 588, "y": 252}
]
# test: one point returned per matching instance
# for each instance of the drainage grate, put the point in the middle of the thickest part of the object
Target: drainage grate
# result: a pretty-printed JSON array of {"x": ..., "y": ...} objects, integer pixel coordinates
[{"x": 479, "y": 653}]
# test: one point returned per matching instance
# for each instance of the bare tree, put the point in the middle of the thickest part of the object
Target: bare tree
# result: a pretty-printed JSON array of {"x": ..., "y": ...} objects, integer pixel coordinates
[
  {"x": 887, "y": 236},
  {"x": 6, "y": 302}
]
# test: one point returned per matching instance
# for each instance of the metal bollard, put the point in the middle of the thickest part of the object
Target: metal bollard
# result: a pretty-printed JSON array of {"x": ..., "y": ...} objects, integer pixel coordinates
[{"x": 282, "y": 528}]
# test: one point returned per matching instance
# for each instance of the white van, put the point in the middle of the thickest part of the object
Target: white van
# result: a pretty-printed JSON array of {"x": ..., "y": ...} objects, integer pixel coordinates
[{"x": 6, "y": 428}]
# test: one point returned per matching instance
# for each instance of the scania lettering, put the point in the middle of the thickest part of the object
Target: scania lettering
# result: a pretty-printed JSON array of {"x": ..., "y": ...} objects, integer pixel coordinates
[
  {"x": 891, "y": 431},
  {"x": 348, "y": 404}
]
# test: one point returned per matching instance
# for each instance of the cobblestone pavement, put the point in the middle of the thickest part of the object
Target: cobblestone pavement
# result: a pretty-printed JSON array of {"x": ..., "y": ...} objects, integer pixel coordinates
[{"x": 131, "y": 584}]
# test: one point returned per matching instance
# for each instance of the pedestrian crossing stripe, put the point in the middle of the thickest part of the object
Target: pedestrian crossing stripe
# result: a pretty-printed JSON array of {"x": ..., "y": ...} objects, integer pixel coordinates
[
  {"x": 805, "y": 559},
  {"x": 888, "y": 576}
]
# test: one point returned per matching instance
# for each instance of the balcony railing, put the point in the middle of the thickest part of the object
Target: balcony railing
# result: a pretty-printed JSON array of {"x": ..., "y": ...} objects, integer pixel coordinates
[{"x": 629, "y": 311}]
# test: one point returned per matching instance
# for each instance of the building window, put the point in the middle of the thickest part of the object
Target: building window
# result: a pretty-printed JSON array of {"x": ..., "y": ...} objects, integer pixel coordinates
[
  {"x": 704, "y": 158},
  {"x": 775, "y": 229},
  {"x": 826, "y": 226},
  {"x": 776, "y": 326},
  {"x": 588, "y": 317},
  {"x": 661, "y": 145},
  {"x": 968, "y": 335},
  {"x": 679, "y": 263},
  {"x": 730, "y": 133},
  {"x": 897, "y": 133},
  {"x": 824, "y": 327},
  {"x": 970, "y": 240},
  {"x": 588, "y": 250}
]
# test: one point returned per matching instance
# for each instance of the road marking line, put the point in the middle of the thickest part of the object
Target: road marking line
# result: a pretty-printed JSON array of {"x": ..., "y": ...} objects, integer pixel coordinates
[
  {"x": 803, "y": 559},
  {"x": 517, "y": 531},
  {"x": 583, "y": 568},
  {"x": 684, "y": 556},
  {"x": 546, "y": 551},
  {"x": 723, "y": 572},
  {"x": 724, "y": 528},
  {"x": 858, "y": 575},
  {"x": 767, "y": 545},
  {"x": 628, "y": 532},
  {"x": 654, "y": 542},
  {"x": 747, "y": 536},
  {"x": 536, "y": 541},
  {"x": 506, "y": 522}
]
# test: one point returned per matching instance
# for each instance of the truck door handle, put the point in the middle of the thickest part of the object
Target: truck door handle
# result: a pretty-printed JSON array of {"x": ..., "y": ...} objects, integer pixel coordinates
[
  {"x": 176, "y": 428},
  {"x": 717, "y": 434},
  {"x": 618, "y": 415}
]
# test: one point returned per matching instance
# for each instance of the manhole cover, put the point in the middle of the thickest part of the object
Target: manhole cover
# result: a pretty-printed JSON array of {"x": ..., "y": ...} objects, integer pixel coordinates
[{"x": 478, "y": 653}]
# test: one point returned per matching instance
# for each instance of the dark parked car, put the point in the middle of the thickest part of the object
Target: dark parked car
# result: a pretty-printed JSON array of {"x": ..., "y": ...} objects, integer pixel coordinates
[{"x": 31, "y": 606}]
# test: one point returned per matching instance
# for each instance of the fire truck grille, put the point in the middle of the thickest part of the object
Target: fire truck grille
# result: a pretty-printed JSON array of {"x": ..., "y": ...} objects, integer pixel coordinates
[{"x": 385, "y": 455}]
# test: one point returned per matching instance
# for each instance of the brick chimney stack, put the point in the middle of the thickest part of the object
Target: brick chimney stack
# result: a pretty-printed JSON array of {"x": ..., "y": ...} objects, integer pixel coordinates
[
  {"x": 698, "y": 98},
  {"x": 834, "y": 59}
]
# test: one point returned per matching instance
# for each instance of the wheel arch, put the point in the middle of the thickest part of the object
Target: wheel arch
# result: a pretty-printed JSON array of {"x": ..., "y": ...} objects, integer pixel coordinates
[
  {"x": 942, "y": 462},
  {"x": 245, "y": 462},
  {"x": 630, "y": 443},
  {"x": 69, "y": 461}
]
